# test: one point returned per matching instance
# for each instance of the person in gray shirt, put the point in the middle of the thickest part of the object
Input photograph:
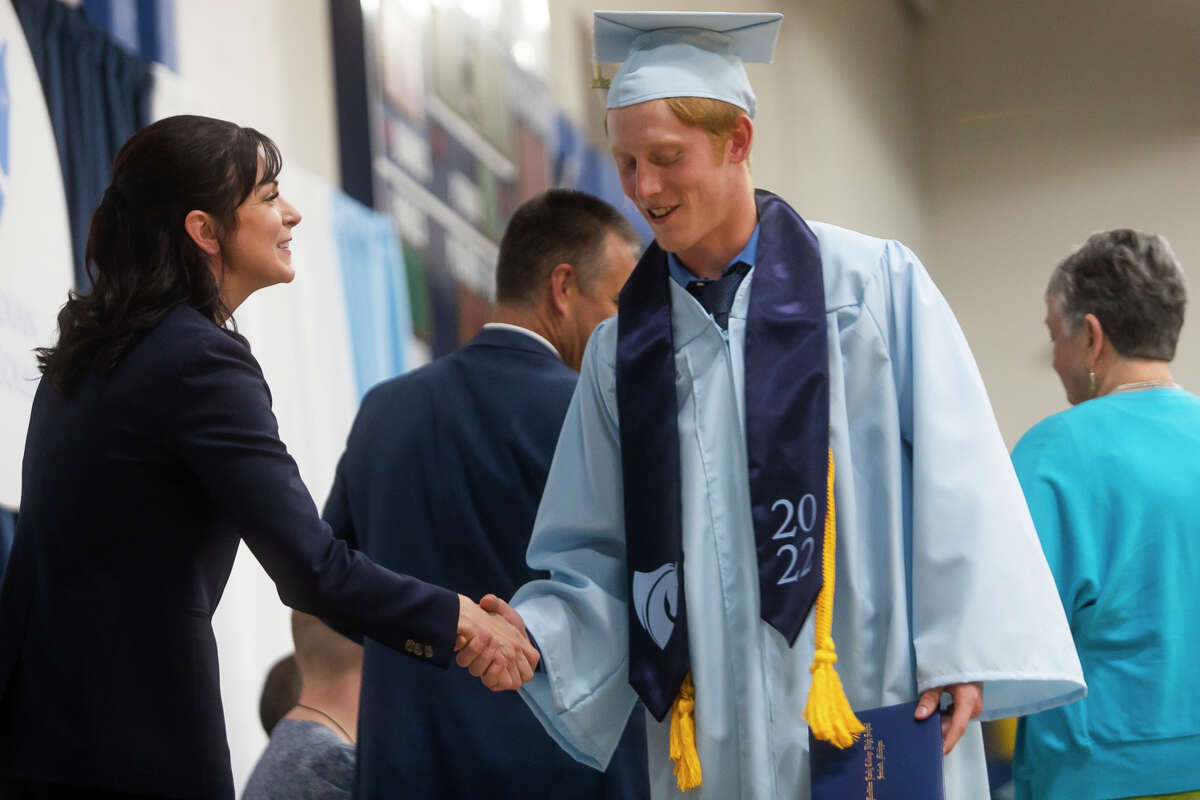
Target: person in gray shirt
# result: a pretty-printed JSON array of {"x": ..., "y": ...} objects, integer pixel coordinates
[{"x": 311, "y": 752}]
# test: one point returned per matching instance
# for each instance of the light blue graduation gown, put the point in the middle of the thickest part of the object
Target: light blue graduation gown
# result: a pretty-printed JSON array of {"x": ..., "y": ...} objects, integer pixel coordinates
[{"x": 940, "y": 578}]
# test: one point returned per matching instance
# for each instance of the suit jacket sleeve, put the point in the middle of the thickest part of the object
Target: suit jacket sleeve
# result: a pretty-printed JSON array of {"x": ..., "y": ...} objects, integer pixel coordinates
[
  {"x": 226, "y": 433},
  {"x": 337, "y": 515}
]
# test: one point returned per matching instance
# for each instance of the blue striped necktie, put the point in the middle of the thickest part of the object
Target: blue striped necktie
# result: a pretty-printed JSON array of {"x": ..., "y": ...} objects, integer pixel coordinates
[{"x": 717, "y": 295}]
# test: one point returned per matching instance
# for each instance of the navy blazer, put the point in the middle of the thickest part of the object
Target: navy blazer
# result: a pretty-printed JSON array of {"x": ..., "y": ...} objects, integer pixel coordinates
[
  {"x": 136, "y": 489},
  {"x": 442, "y": 476}
]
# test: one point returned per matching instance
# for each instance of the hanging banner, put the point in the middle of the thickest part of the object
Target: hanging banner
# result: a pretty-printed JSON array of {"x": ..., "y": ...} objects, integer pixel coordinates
[
  {"x": 35, "y": 244},
  {"x": 461, "y": 117}
]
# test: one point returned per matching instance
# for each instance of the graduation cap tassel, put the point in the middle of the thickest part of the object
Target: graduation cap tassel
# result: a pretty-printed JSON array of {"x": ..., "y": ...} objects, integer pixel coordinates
[
  {"x": 683, "y": 737},
  {"x": 598, "y": 79},
  {"x": 829, "y": 715}
]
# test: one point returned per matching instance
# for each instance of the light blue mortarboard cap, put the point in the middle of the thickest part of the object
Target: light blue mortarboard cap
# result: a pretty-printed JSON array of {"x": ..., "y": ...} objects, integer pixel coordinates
[{"x": 684, "y": 54}]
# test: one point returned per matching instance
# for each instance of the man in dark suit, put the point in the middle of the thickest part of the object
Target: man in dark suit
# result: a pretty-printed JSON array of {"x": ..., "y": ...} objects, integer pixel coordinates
[{"x": 442, "y": 476}]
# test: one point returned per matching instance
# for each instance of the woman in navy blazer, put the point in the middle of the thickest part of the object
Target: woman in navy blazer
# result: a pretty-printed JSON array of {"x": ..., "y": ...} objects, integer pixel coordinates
[{"x": 151, "y": 450}]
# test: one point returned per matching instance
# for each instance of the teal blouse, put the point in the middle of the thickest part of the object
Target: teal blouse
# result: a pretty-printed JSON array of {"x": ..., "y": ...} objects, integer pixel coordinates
[{"x": 1114, "y": 488}]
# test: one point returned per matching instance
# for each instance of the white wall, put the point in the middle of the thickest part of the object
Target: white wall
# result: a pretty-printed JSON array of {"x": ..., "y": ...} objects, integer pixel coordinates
[
  {"x": 267, "y": 64},
  {"x": 1046, "y": 122},
  {"x": 838, "y": 130}
]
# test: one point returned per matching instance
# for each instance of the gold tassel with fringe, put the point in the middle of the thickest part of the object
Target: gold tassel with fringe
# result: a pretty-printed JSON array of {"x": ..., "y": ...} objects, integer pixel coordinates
[
  {"x": 683, "y": 737},
  {"x": 829, "y": 715}
]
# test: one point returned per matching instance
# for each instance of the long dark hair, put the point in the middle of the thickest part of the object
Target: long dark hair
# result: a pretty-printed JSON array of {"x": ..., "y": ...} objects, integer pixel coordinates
[{"x": 141, "y": 260}]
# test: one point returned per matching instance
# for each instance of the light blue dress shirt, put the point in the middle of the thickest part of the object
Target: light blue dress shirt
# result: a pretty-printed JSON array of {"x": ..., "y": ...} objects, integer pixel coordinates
[{"x": 683, "y": 276}]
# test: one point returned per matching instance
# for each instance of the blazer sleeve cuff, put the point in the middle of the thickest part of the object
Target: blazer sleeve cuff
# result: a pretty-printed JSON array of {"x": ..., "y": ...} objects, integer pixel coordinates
[{"x": 442, "y": 631}]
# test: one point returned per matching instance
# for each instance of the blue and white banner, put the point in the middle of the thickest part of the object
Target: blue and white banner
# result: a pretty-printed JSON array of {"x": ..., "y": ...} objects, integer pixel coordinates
[
  {"x": 376, "y": 285},
  {"x": 147, "y": 27},
  {"x": 35, "y": 243}
]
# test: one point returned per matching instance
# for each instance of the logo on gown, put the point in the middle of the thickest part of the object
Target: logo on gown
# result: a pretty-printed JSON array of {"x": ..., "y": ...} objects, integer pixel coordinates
[
  {"x": 656, "y": 598},
  {"x": 4, "y": 104}
]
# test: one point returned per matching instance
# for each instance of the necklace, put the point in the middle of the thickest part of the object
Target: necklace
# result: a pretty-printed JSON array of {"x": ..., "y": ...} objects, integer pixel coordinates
[
  {"x": 1155, "y": 384},
  {"x": 331, "y": 719}
]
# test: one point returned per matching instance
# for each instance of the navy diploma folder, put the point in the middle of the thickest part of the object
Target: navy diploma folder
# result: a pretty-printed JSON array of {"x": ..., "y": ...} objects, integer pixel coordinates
[{"x": 896, "y": 758}]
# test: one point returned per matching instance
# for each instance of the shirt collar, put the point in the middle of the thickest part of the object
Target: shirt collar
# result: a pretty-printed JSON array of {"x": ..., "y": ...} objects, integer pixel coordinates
[
  {"x": 504, "y": 326},
  {"x": 683, "y": 276}
]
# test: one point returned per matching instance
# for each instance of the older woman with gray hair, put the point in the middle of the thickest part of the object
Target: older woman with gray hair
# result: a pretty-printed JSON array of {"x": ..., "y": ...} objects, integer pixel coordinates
[{"x": 1114, "y": 488}]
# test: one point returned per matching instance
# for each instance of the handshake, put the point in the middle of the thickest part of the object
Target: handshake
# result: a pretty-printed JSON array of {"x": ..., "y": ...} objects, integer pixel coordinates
[{"x": 492, "y": 643}]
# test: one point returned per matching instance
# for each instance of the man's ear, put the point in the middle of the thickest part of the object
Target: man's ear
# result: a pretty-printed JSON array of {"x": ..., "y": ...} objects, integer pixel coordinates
[
  {"x": 562, "y": 287},
  {"x": 740, "y": 140},
  {"x": 201, "y": 226}
]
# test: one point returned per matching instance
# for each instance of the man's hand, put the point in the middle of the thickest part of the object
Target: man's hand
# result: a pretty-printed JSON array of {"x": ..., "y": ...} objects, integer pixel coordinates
[
  {"x": 495, "y": 605},
  {"x": 966, "y": 704},
  {"x": 493, "y": 649}
]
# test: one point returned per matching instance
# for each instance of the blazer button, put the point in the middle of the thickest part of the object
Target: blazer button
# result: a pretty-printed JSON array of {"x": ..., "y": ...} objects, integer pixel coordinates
[
  {"x": 428, "y": 651},
  {"x": 410, "y": 646}
]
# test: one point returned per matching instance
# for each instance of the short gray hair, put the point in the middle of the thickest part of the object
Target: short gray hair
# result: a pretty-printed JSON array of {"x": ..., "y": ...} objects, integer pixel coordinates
[
  {"x": 1134, "y": 285},
  {"x": 555, "y": 227}
]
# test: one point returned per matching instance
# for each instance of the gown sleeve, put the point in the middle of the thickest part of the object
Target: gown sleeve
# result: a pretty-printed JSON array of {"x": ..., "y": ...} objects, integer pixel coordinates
[
  {"x": 578, "y": 616},
  {"x": 984, "y": 605},
  {"x": 227, "y": 435}
]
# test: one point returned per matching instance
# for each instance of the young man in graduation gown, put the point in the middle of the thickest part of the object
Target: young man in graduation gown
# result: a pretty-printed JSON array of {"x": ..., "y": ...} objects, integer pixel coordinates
[
  {"x": 760, "y": 367},
  {"x": 443, "y": 472}
]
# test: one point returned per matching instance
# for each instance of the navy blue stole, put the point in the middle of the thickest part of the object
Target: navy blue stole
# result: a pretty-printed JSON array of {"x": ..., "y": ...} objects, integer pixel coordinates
[{"x": 787, "y": 441}]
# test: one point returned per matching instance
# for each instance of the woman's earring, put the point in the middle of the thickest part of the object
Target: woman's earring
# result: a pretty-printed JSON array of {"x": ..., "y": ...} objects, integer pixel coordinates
[{"x": 1092, "y": 383}]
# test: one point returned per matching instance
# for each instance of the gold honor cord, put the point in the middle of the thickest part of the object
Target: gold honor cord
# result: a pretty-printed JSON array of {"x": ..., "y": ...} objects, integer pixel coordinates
[
  {"x": 829, "y": 715},
  {"x": 828, "y": 711},
  {"x": 683, "y": 737}
]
